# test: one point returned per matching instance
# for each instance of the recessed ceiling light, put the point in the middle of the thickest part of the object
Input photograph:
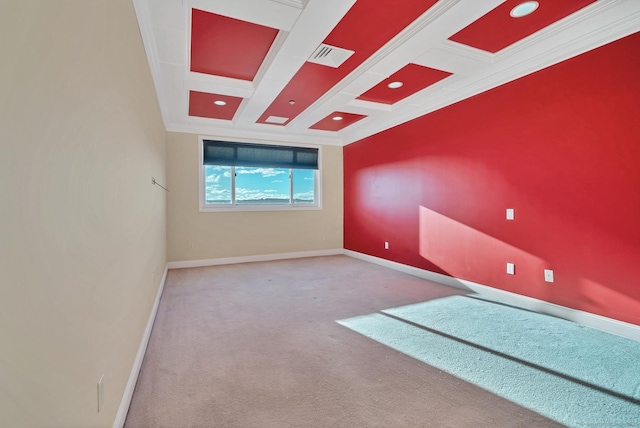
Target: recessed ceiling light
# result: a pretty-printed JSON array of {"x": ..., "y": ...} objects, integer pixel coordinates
[
  {"x": 395, "y": 85},
  {"x": 220, "y": 103},
  {"x": 292, "y": 102},
  {"x": 524, "y": 9},
  {"x": 337, "y": 118}
]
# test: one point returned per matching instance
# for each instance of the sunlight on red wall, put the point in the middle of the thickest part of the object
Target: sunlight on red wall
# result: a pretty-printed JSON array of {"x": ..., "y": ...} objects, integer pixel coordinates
[{"x": 464, "y": 251}]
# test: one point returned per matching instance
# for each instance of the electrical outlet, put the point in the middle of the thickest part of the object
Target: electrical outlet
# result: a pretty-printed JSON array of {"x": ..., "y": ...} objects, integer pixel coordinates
[
  {"x": 386, "y": 245},
  {"x": 510, "y": 213},
  {"x": 511, "y": 269},
  {"x": 100, "y": 393},
  {"x": 548, "y": 275}
]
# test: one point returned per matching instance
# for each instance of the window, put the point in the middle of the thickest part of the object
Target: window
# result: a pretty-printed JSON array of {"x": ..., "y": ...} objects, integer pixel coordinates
[{"x": 243, "y": 176}]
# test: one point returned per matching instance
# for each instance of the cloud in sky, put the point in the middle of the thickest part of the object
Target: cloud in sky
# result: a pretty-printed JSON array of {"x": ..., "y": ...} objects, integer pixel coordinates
[
  {"x": 256, "y": 195},
  {"x": 266, "y": 172},
  {"x": 306, "y": 196},
  {"x": 218, "y": 195},
  {"x": 213, "y": 179}
]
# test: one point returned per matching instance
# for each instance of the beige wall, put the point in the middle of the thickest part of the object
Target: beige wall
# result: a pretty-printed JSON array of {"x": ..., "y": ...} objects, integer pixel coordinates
[
  {"x": 82, "y": 230},
  {"x": 194, "y": 235}
]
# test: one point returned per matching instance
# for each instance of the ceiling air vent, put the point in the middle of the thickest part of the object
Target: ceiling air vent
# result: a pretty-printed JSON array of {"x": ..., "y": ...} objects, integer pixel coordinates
[
  {"x": 276, "y": 119},
  {"x": 330, "y": 56}
]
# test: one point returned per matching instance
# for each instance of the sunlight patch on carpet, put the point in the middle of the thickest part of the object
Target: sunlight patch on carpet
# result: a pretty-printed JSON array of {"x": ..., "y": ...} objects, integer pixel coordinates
[{"x": 573, "y": 374}]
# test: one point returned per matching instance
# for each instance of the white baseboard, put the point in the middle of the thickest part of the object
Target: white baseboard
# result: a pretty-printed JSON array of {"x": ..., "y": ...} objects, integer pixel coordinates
[
  {"x": 121, "y": 416},
  {"x": 609, "y": 325},
  {"x": 247, "y": 259}
]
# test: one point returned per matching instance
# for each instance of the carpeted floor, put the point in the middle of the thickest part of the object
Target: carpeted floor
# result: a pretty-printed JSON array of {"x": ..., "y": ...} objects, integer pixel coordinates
[{"x": 258, "y": 345}]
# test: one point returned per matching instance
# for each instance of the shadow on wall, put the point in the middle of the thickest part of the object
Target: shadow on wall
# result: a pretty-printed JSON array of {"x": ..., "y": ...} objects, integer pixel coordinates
[
  {"x": 596, "y": 295},
  {"x": 466, "y": 252}
]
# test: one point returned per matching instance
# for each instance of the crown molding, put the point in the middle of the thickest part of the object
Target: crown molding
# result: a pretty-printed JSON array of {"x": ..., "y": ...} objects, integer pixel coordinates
[{"x": 149, "y": 42}]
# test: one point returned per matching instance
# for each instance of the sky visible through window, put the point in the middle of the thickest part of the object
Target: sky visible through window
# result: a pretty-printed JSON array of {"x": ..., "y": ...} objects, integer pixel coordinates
[{"x": 258, "y": 185}]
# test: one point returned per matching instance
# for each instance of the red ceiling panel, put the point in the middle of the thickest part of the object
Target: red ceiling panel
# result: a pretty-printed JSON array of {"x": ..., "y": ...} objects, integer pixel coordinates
[
  {"x": 228, "y": 47},
  {"x": 330, "y": 124},
  {"x": 367, "y": 26},
  {"x": 497, "y": 29},
  {"x": 201, "y": 104},
  {"x": 414, "y": 78}
]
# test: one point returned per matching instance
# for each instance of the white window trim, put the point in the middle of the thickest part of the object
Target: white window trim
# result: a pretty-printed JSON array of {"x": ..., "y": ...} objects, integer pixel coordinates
[{"x": 204, "y": 207}]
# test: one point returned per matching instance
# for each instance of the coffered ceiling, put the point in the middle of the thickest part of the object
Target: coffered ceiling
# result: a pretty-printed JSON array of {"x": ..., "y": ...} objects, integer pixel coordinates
[{"x": 336, "y": 71}]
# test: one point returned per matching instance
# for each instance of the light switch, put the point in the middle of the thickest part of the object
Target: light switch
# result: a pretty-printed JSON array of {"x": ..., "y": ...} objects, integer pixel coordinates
[
  {"x": 511, "y": 269},
  {"x": 548, "y": 275},
  {"x": 510, "y": 213}
]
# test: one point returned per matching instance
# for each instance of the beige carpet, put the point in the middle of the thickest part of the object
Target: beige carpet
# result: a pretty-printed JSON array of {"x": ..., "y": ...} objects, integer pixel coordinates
[{"x": 257, "y": 345}]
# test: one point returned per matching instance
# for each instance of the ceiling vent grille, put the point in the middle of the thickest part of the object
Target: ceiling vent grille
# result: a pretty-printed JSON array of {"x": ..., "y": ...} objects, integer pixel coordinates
[
  {"x": 276, "y": 119},
  {"x": 330, "y": 56}
]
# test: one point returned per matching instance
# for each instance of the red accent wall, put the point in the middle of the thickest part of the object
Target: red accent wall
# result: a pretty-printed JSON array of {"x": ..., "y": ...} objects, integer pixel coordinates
[{"x": 561, "y": 147}]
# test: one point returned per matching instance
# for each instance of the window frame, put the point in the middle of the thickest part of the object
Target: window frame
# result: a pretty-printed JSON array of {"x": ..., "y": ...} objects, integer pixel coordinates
[{"x": 234, "y": 207}]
